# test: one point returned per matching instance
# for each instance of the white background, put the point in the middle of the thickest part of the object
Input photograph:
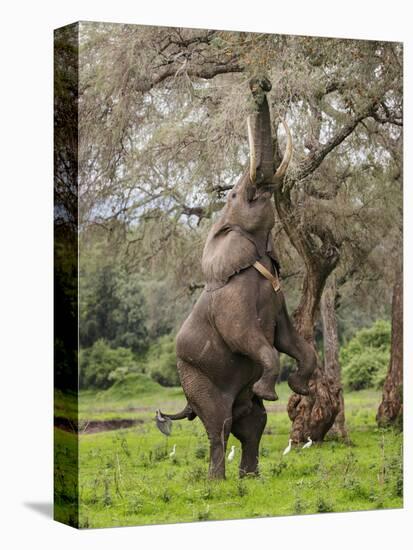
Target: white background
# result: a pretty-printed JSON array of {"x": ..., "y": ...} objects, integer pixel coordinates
[{"x": 26, "y": 271}]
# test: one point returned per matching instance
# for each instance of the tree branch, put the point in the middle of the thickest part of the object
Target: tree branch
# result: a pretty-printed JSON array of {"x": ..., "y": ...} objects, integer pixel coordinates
[{"x": 315, "y": 158}]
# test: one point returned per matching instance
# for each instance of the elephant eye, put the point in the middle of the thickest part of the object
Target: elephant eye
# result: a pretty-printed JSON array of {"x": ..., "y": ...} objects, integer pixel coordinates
[{"x": 233, "y": 195}]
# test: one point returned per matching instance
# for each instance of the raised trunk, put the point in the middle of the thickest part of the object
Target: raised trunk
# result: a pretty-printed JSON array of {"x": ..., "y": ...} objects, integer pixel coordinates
[
  {"x": 331, "y": 354},
  {"x": 391, "y": 408},
  {"x": 312, "y": 415},
  {"x": 261, "y": 130}
]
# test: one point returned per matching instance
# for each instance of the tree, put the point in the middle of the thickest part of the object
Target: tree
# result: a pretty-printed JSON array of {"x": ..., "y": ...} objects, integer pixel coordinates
[
  {"x": 391, "y": 408},
  {"x": 163, "y": 139},
  {"x": 113, "y": 309},
  {"x": 331, "y": 354}
]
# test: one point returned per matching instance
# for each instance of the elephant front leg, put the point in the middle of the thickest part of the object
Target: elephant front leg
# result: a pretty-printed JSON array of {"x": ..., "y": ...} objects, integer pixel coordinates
[
  {"x": 265, "y": 386},
  {"x": 249, "y": 430},
  {"x": 246, "y": 337},
  {"x": 287, "y": 340}
]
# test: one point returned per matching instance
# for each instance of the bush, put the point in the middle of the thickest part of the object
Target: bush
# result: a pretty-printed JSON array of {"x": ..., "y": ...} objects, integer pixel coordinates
[
  {"x": 365, "y": 358},
  {"x": 287, "y": 366},
  {"x": 161, "y": 362},
  {"x": 101, "y": 366},
  {"x": 130, "y": 387},
  {"x": 366, "y": 370}
]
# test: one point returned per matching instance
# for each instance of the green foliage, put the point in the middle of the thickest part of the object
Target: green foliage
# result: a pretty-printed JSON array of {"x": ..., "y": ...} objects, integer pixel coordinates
[
  {"x": 112, "y": 308},
  {"x": 100, "y": 365},
  {"x": 365, "y": 358},
  {"x": 127, "y": 478},
  {"x": 161, "y": 362},
  {"x": 287, "y": 366},
  {"x": 323, "y": 506},
  {"x": 132, "y": 386}
]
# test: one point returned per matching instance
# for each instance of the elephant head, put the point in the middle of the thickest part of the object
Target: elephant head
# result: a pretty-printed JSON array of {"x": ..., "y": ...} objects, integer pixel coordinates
[{"x": 241, "y": 235}]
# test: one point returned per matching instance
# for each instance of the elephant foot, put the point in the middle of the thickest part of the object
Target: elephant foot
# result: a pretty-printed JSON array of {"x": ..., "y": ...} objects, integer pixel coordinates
[
  {"x": 262, "y": 390},
  {"x": 246, "y": 473},
  {"x": 298, "y": 384}
]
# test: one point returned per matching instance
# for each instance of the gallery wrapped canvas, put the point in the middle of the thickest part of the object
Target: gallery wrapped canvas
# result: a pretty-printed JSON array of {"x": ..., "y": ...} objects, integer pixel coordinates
[{"x": 207, "y": 183}]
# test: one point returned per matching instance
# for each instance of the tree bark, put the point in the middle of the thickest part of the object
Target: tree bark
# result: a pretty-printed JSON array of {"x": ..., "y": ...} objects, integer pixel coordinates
[
  {"x": 312, "y": 415},
  {"x": 331, "y": 354},
  {"x": 391, "y": 408}
]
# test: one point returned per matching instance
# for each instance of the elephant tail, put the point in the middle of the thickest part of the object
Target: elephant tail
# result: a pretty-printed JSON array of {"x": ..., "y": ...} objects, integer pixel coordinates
[{"x": 164, "y": 421}]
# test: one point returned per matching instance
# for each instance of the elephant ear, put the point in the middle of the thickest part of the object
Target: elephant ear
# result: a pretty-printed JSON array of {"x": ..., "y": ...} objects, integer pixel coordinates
[{"x": 227, "y": 252}]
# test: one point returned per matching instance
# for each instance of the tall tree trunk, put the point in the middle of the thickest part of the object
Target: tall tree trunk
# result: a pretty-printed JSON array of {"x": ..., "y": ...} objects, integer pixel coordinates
[
  {"x": 331, "y": 353},
  {"x": 312, "y": 415},
  {"x": 391, "y": 408}
]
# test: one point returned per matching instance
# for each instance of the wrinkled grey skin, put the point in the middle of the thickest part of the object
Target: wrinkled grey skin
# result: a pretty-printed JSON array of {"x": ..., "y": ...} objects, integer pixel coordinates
[{"x": 226, "y": 348}]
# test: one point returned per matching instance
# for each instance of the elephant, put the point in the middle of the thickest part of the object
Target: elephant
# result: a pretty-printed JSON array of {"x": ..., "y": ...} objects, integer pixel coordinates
[{"x": 227, "y": 347}]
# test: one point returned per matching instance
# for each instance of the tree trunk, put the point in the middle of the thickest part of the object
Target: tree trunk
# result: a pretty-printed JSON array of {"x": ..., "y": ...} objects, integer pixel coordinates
[
  {"x": 391, "y": 408},
  {"x": 331, "y": 357},
  {"x": 313, "y": 415}
]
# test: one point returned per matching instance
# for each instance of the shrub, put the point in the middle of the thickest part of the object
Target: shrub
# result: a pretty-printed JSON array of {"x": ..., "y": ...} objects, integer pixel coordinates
[
  {"x": 131, "y": 386},
  {"x": 100, "y": 365},
  {"x": 161, "y": 361},
  {"x": 287, "y": 366},
  {"x": 365, "y": 358}
]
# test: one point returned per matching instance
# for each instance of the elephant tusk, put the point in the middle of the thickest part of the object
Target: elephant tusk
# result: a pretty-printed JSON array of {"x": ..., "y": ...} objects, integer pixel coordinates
[
  {"x": 282, "y": 169},
  {"x": 253, "y": 154}
]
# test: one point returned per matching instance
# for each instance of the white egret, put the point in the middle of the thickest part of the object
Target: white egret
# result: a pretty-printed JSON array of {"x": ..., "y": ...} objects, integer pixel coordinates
[
  {"x": 231, "y": 454},
  {"x": 288, "y": 448},
  {"x": 308, "y": 445}
]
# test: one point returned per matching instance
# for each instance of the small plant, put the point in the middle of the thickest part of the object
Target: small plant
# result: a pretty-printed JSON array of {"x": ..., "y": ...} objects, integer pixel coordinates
[
  {"x": 134, "y": 505},
  {"x": 195, "y": 474},
  {"x": 323, "y": 506},
  {"x": 107, "y": 499},
  {"x": 208, "y": 492},
  {"x": 356, "y": 489},
  {"x": 277, "y": 468},
  {"x": 398, "y": 489},
  {"x": 204, "y": 514},
  {"x": 84, "y": 523},
  {"x": 159, "y": 453},
  {"x": 201, "y": 451},
  {"x": 166, "y": 496},
  {"x": 242, "y": 489},
  {"x": 298, "y": 505}
]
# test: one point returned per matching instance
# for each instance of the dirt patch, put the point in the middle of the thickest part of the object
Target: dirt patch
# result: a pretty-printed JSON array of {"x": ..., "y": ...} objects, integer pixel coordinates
[{"x": 94, "y": 426}]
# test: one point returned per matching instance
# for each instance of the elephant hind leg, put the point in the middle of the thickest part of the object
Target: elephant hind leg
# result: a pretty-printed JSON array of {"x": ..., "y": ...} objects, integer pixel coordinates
[
  {"x": 214, "y": 409},
  {"x": 248, "y": 430}
]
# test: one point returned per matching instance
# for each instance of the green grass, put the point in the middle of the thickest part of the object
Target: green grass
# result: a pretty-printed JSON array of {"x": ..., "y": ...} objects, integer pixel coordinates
[{"x": 127, "y": 477}]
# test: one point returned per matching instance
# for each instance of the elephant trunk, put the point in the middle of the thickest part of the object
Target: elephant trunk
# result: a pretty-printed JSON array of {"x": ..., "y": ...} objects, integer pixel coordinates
[
  {"x": 262, "y": 169},
  {"x": 259, "y": 134}
]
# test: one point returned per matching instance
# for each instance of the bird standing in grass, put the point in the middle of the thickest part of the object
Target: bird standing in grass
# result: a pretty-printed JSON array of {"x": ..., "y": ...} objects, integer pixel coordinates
[
  {"x": 288, "y": 448},
  {"x": 231, "y": 454},
  {"x": 173, "y": 452},
  {"x": 308, "y": 445}
]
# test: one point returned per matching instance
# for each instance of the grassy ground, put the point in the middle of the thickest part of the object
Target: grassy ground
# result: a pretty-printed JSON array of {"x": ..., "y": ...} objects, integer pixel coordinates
[{"x": 127, "y": 478}]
